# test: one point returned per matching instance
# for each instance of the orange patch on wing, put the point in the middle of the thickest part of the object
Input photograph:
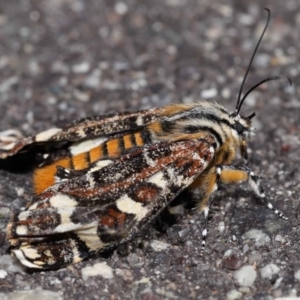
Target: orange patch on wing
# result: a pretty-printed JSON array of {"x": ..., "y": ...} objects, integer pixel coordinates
[
  {"x": 233, "y": 176},
  {"x": 96, "y": 153},
  {"x": 113, "y": 148},
  {"x": 44, "y": 177},
  {"x": 127, "y": 141},
  {"x": 80, "y": 161},
  {"x": 138, "y": 139}
]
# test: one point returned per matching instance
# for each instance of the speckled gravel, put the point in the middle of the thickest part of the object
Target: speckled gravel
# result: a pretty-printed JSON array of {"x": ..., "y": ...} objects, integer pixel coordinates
[{"x": 64, "y": 60}]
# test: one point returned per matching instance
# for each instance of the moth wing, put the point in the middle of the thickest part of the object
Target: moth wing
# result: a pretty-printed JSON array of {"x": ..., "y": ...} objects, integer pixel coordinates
[
  {"x": 63, "y": 174},
  {"x": 12, "y": 142},
  {"x": 107, "y": 206}
]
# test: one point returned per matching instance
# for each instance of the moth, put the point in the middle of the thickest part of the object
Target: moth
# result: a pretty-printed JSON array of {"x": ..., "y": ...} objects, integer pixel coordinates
[{"x": 104, "y": 178}]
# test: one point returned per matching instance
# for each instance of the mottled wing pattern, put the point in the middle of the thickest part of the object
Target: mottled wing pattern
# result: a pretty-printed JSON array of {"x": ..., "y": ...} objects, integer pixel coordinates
[
  {"x": 106, "y": 204},
  {"x": 12, "y": 143}
]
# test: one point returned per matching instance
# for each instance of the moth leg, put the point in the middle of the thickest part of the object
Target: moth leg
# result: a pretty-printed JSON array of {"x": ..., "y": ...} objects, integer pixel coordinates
[
  {"x": 203, "y": 188},
  {"x": 244, "y": 152},
  {"x": 226, "y": 174},
  {"x": 237, "y": 174}
]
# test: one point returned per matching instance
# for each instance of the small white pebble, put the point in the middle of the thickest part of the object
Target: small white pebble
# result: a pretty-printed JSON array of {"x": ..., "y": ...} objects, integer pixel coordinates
[
  {"x": 209, "y": 93},
  {"x": 99, "y": 269},
  {"x": 269, "y": 271},
  {"x": 83, "y": 67},
  {"x": 3, "y": 274},
  {"x": 259, "y": 236},
  {"x": 20, "y": 191},
  {"x": 245, "y": 276},
  {"x": 233, "y": 295},
  {"x": 297, "y": 275},
  {"x": 158, "y": 245},
  {"x": 221, "y": 227},
  {"x": 121, "y": 8}
]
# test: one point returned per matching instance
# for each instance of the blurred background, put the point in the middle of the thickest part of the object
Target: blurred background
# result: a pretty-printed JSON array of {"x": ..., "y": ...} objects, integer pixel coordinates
[{"x": 66, "y": 59}]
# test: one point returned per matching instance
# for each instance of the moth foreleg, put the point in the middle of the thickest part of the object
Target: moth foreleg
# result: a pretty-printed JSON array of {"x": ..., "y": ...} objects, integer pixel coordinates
[
  {"x": 244, "y": 152},
  {"x": 225, "y": 174},
  {"x": 238, "y": 174}
]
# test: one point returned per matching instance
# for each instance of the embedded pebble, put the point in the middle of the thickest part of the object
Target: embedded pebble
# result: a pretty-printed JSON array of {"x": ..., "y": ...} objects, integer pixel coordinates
[
  {"x": 288, "y": 298},
  {"x": 244, "y": 289},
  {"x": 3, "y": 274},
  {"x": 134, "y": 260},
  {"x": 60, "y": 67},
  {"x": 245, "y": 276},
  {"x": 121, "y": 8},
  {"x": 184, "y": 234},
  {"x": 259, "y": 236},
  {"x": 208, "y": 94},
  {"x": 245, "y": 248},
  {"x": 126, "y": 274},
  {"x": 175, "y": 2},
  {"x": 5, "y": 213},
  {"x": 269, "y": 271},
  {"x": 277, "y": 282},
  {"x": 254, "y": 258},
  {"x": 11, "y": 264},
  {"x": 8, "y": 83},
  {"x": 245, "y": 19},
  {"x": 233, "y": 295},
  {"x": 228, "y": 252},
  {"x": 221, "y": 227},
  {"x": 226, "y": 93},
  {"x": 100, "y": 269},
  {"x": 93, "y": 80},
  {"x": 81, "y": 96},
  {"x": 159, "y": 246},
  {"x": 297, "y": 275},
  {"x": 176, "y": 210},
  {"x": 37, "y": 294},
  {"x": 232, "y": 262},
  {"x": 20, "y": 191},
  {"x": 83, "y": 67}
]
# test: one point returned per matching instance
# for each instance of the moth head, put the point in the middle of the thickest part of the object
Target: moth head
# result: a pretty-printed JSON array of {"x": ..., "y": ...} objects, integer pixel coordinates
[{"x": 242, "y": 125}]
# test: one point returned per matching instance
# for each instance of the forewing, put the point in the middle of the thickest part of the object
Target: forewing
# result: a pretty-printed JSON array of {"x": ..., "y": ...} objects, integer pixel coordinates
[
  {"x": 107, "y": 205},
  {"x": 88, "y": 128}
]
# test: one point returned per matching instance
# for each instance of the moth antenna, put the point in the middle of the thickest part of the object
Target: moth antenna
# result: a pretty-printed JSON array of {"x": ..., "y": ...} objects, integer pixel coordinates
[
  {"x": 260, "y": 83},
  {"x": 238, "y": 106}
]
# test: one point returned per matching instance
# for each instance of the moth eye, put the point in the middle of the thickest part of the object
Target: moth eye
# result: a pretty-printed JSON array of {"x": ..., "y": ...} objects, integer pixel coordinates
[{"x": 239, "y": 128}]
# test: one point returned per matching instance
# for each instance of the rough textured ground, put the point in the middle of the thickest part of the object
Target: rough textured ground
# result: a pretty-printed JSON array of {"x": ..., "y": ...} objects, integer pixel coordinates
[{"x": 61, "y": 60}]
